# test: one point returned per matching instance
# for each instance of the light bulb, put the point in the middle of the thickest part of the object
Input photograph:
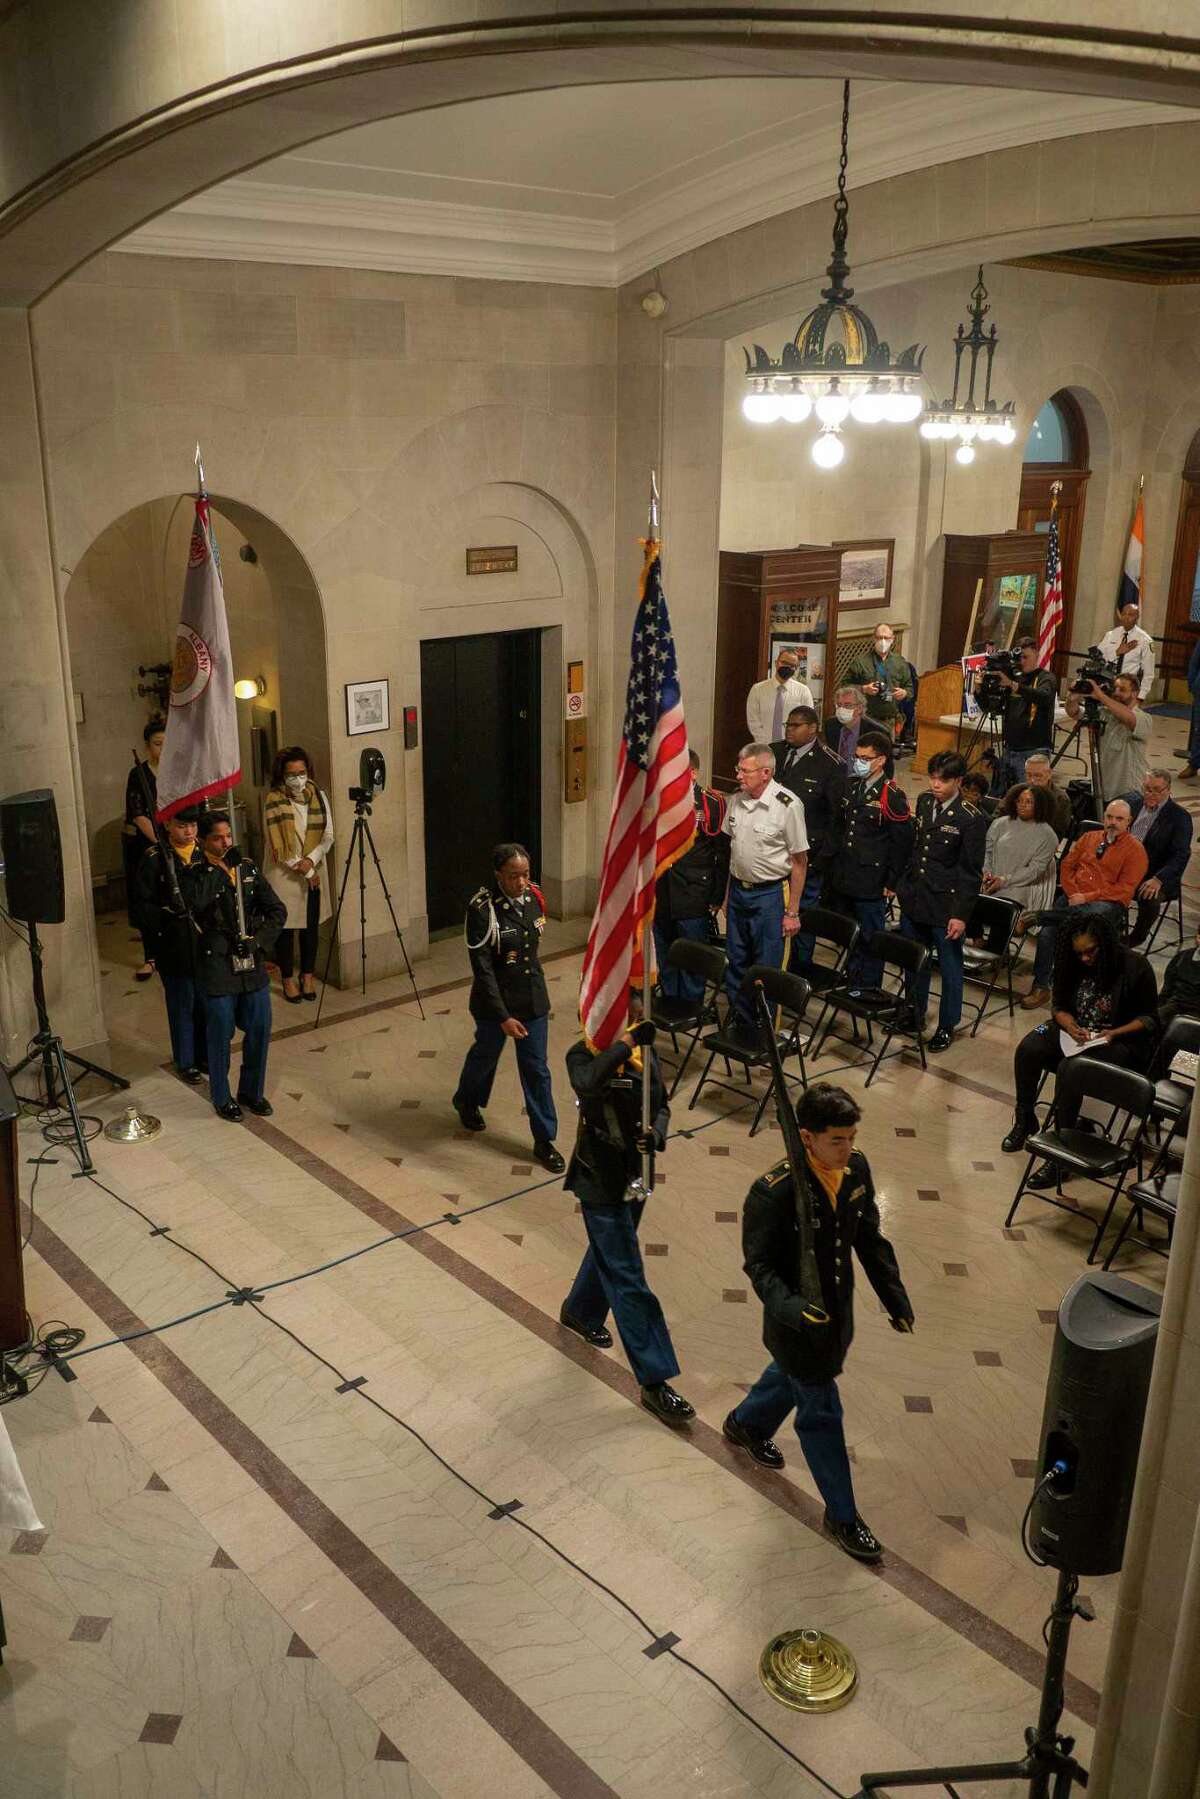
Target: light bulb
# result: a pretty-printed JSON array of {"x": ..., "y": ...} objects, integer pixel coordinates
[
  {"x": 795, "y": 408},
  {"x": 867, "y": 407},
  {"x": 965, "y": 453},
  {"x": 246, "y": 690},
  {"x": 904, "y": 408},
  {"x": 1005, "y": 434},
  {"x": 761, "y": 409},
  {"x": 832, "y": 409},
  {"x": 931, "y": 428},
  {"x": 828, "y": 450}
]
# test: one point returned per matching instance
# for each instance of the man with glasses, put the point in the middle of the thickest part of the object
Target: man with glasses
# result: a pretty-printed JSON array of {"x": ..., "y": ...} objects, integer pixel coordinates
[
  {"x": 1039, "y": 772},
  {"x": 1102, "y": 870},
  {"x": 1164, "y": 830},
  {"x": 883, "y": 675},
  {"x": 768, "y": 846}
]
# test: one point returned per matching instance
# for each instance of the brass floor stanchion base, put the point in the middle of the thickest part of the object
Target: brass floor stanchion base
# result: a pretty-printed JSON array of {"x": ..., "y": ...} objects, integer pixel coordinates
[{"x": 808, "y": 1671}]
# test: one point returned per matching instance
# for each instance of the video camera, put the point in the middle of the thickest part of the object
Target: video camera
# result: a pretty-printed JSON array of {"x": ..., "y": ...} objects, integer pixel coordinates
[
  {"x": 372, "y": 777},
  {"x": 1096, "y": 667},
  {"x": 990, "y": 691}
]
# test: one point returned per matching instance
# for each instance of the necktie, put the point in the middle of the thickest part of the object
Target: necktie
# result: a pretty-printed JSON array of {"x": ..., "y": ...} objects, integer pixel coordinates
[{"x": 777, "y": 721}]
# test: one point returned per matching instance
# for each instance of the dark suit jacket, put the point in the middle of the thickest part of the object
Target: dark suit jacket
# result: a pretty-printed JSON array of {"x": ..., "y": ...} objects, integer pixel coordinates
[{"x": 1168, "y": 842}]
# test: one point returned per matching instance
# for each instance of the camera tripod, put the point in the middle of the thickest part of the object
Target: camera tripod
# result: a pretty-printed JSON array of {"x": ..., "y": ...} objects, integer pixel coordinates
[
  {"x": 1094, "y": 728},
  {"x": 47, "y": 1048},
  {"x": 359, "y": 840},
  {"x": 1047, "y": 1758}
]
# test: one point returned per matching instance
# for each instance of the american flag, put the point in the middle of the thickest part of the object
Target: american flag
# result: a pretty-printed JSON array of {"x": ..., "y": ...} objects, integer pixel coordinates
[
  {"x": 653, "y": 819},
  {"x": 1052, "y": 593}
]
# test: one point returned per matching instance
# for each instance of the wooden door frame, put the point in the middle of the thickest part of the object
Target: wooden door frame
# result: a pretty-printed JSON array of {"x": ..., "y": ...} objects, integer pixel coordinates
[{"x": 1183, "y": 569}]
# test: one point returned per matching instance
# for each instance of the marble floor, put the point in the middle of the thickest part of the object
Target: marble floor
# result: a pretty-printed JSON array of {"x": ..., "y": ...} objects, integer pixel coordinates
[{"x": 353, "y": 1515}]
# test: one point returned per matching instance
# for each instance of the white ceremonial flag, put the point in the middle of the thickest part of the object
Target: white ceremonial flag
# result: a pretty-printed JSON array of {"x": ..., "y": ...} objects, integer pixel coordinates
[{"x": 200, "y": 755}]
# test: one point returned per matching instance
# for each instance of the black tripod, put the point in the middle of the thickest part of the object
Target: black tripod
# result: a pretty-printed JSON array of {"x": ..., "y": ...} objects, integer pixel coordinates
[
  {"x": 1047, "y": 1756},
  {"x": 360, "y": 838},
  {"x": 48, "y": 1049},
  {"x": 1094, "y": 728}
]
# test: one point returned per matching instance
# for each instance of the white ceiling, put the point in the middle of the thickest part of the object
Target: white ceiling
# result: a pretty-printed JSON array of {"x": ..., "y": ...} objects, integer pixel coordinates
[{"x": 597, "y": 185}]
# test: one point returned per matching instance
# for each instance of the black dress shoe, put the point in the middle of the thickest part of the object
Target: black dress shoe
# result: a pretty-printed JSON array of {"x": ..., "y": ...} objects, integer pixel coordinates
[
  {"x": 595, "y": 1334},
  {"x": 667, "y": 1404},
  {"x": 905, "y": 1020},
  {"x": 941, "y": 1039},
  {"x": 855, "y": 1539},
  {"x": 262, "y": 1108},
  {"x": 761, "y": 1448},
  {"x": 230, "y": 1111},
  {"x": 548, "y": 1156},
  {"x": 470, "y": 1117},
  {"x": 188, "y": 1075},
  {"x": 1023, "y": 1126},
  {"x": 1044, "y": 1178}
]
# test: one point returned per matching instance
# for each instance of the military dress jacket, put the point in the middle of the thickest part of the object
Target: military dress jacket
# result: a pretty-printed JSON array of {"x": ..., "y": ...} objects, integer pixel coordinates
[
  {"x": 814, "y": 1353},
  {"x": 504, "y": 939},
  {"x": 870, "y": 840},
  {"x": 171, "y": 938},
  {"x": 214, "y": 907},
  {"x": 819, "y": 780},
  {"x": 603, "y": 1164},
  {"x": 941, "y": 880}
]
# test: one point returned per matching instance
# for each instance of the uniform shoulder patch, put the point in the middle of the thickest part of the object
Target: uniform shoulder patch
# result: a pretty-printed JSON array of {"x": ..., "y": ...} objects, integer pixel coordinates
[
  {"x": 784, "y": 797},
  {"x": 480, "y": 898},
  {"x": 971, "y": 809},
  {"x": 829, "y": 755},
  {"x": 775, "y": 1177}
]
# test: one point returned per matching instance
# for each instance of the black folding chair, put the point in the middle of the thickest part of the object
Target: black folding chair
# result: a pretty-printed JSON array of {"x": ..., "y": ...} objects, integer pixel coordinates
[
  {"x": 832, "y": 930},
  {"x": 1172, "y": 909},
  {"x": 994, "y": 919},
  {"x": 789, "y": 994},
  {"x": 1172, "y": 1096},
  {"x": 1085, "y": 1155},
  {"x": 687, "y": 1018},
  {"x": 884, "y": 1007},
  {"x": 1158, "y": 1194}
]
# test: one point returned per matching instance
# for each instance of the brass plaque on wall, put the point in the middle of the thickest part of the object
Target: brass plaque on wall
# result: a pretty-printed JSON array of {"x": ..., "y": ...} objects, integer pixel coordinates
[{"x": 493, "y": 559}]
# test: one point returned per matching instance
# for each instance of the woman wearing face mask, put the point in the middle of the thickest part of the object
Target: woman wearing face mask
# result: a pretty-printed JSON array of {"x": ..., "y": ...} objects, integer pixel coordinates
[{"x": 298, "y": 834}]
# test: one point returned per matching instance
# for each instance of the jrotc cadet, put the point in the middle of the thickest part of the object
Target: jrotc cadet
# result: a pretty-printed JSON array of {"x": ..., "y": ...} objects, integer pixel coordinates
[
  {"x": 807, "y": 767},
  {"x": 867, "y": 848},
  {"x": 807, "y": 1358},
  {"x": 939, "y": 887},
  {"x": 172, "y": 940},
  {"x": 769, "y": 845},
  {"x": 691, "y": 892},
  {"x": 509, "y": 999}
]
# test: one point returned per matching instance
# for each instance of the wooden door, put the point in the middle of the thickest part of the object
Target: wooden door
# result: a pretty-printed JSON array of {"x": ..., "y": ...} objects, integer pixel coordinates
[
  {"x": 1183, "y": 604},
  {"x": 1033, "y": 514}
]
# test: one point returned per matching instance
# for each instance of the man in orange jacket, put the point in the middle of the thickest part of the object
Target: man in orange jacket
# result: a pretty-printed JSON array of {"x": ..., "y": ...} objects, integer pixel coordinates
[{"x": 1102, "y": 870}]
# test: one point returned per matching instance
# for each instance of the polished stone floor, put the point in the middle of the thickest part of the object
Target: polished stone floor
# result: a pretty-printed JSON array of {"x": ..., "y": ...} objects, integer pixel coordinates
[{"x": 275, "y": 1559}]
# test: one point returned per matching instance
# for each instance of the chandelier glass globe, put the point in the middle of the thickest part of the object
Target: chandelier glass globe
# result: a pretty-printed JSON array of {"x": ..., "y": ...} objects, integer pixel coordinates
[
  {"x": 828, "y": 450},
  {"x": 965, "y": 453},
  {"x": 795, "y": 408}
]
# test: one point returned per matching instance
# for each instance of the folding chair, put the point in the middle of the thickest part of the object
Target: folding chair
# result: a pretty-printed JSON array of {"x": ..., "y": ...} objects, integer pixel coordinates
[
  {"x": 688, "y": 1017},
  {"x": 1076, "y": 1152},
  {"x": 994, "y": 919},
  {"x": 1158, "y": 1194},
  {"x": 882, "y": 1006},
  {"x": 1173, "y": 1097},
  {"x": 1172, "y": 908},
  {"x": 832, "y": 930},
  {"x": 787, "y": 992}
]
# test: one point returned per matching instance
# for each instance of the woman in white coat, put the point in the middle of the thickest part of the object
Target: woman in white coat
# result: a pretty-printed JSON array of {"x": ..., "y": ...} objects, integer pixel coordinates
[{"x": 297, "y": 839}]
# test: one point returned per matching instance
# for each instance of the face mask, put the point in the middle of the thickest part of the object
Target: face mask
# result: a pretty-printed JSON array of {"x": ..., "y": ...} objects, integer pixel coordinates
[
  {"x": 861, "y": 767},
  {"x": 297, "y": 783},
  {"x": 844, "y": 715},
  {"x": 883, "y": 646}
]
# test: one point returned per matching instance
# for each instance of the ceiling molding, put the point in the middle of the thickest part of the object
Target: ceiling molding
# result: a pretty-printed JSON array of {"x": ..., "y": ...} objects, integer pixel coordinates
[{"x": 260, "y": 220}]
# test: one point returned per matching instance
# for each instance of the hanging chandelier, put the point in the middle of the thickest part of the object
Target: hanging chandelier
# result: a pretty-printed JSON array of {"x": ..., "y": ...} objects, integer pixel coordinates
[
  {"x": 835, "y": 365},
  {"x": 970, "y": 420}
]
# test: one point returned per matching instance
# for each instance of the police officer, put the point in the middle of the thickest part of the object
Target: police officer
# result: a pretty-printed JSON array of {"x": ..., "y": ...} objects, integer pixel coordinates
[
  {"x": 234, "y": 940},
  {"x": 807, "y": 767},
  {"x": 769, "y": 844},
  {"x": 939, "y": 887},
  {"x": 691, "y": 891},
  {"x": 867, "y": 847},
  {"x": 606, "y": 1177},
  {"x": 839, "y": 1196},
  {"x": 172, "y": 940},
  {"x": 509, "y": 999}
]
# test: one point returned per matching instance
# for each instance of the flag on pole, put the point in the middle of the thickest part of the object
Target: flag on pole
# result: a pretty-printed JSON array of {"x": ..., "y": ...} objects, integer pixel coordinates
[
  {"x": 653, "y": 819},
  {"x": 1131, "y": 575},
  {"x": 1052, "y": 592},
  {"x": 200, "y": 754}
]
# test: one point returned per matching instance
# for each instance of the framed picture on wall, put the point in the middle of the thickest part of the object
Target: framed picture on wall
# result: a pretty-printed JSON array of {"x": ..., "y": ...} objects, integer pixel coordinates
[
  {"x": 366, "y": 707},
  {"x": 866, "y": 581}
]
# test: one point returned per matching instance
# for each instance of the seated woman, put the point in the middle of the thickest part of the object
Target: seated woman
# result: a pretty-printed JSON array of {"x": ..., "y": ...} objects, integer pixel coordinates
[
  {"x": 1018, "y": 857},
  {"x": 1104, "y": 997}
]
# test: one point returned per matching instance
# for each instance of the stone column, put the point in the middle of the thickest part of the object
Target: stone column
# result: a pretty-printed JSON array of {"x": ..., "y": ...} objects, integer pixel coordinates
[{"x": 1148, "y": 1738}]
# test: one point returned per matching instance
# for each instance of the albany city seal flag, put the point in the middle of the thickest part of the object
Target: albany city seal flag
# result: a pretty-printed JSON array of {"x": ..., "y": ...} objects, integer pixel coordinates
[{"x": 200, "y": 756}]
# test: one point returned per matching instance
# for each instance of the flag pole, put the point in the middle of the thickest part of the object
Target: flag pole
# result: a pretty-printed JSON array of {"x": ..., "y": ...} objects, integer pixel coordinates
[{"x": 652, "y": 529}]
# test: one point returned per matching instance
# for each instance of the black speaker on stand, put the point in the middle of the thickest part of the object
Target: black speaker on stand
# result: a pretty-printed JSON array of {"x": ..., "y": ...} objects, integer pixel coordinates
[
  {"x": 31, "y": 850},
  {"x": 1091, "y": 1434}
]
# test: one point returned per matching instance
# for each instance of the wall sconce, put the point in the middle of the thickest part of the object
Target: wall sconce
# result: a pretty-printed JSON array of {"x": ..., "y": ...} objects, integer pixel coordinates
[{"x": 249, "y": 690}]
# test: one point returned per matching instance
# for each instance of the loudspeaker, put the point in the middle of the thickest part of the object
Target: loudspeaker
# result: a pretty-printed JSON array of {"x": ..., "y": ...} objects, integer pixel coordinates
[
  {"x": 14, "y": 1326},
  {"x": 1095, "y": 1405},
  {"x": 32, "y": 854}
]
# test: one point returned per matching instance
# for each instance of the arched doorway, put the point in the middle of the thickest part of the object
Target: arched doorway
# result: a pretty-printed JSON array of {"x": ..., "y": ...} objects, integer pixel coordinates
[
  {"x": 1183, "y": 599},
  {"x": 1057, "y": 450}
]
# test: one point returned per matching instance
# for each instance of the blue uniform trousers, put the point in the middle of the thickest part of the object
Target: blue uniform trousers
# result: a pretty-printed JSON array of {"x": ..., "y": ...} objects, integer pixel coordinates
[
  {"x": 949, "y": 954},
  {"x": 677, "y": 983},
  {"x": 479, "y": 1071},
  {"x": 250, "y": 1013},
  {"x": 611, "y": 1278},
  {"x": 804, "y": 943},
  {"x": 186, "y": 1019},
  {"x": 871, "y": 915},
  {"x": 753, "y": 934},
  {"x": 818, "y": 1425}
]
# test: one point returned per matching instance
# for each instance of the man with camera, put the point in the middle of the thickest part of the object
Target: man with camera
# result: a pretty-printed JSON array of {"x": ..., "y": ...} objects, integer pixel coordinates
[
  {"x": 1126, "y": 732},
  {"x": 1028, "y": 716},
  {"x": 239, "y": 916}
]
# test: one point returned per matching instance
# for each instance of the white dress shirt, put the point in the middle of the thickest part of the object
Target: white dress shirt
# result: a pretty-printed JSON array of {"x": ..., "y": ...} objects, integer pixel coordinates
[
  {"x": 765, "y": 834},
  {"x": 760, "y": 707},
  {"x": 1137, "y": 659}
]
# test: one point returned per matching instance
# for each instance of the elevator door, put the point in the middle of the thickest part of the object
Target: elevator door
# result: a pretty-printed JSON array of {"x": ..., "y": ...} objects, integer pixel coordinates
[{"x": 481, "y": 704}]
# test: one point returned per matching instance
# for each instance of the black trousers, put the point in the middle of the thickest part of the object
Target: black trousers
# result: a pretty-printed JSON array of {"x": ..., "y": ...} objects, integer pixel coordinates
[
  {"x": 1041, "y": 1052},
  {"x": 284, "y": 948},
  {"x": 1147, "y": 911}
]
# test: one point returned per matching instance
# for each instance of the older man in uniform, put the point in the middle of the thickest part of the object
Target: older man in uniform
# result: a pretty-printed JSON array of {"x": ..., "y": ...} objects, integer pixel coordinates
[
  {"x": 939, "y": 887},
  {"x": 769, "y": 844},
  {"x": 812, "y": 771},
  {"x": 867, "y": 848}
]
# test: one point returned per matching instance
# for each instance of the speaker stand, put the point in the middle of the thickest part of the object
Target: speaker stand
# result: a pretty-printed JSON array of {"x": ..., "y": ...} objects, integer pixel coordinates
[
  {"x": 1047, "y": 1756},
  {"x": 47, "y": 1048}
]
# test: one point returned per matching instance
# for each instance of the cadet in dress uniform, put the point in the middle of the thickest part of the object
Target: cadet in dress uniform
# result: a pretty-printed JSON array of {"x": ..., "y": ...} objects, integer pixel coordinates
[
  {"x": 807, "y": 1358},
  {"x": 769, "y": 844},
  {"x": 509, "y": 999},
  {"x": 691, "y": 891},
  {"x": 173, "y": 941},
  {"x": 867, "y": 848},
  {"x": 807, "y": 767},
  {"x": 940, "y": 886},
  {"x": 606, "y": 1176}
]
